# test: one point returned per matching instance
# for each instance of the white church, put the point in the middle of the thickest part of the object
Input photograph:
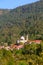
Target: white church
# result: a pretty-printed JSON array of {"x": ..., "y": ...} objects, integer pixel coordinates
[{"x": 22, "y": 39}]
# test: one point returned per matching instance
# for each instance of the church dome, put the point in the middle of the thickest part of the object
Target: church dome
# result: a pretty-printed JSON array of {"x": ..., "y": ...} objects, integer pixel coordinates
[{"x": 22, "y": 38}]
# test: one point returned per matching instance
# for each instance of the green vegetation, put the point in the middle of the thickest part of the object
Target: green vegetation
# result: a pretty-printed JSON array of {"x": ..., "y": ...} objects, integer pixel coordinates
[
  {"x": 31, "y": 54},
  {"x": 20, "y": 21},
  {"x": 27, "y": 19}
]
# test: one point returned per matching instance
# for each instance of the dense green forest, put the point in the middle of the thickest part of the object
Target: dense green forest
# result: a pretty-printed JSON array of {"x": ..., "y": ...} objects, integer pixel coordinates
[
  {"x": 27, "y": 19},
  {"x": 31, "y": 54}
]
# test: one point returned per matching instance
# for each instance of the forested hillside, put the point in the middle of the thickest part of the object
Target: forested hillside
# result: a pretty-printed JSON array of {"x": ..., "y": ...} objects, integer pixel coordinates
[{"x": 27, "y": 19}]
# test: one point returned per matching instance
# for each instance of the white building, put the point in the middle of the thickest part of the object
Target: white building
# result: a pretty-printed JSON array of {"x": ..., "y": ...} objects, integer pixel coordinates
[{"x": 22, "y": 39}]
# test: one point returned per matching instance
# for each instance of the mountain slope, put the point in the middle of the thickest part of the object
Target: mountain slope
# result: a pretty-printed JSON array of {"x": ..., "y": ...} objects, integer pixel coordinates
[{"x": 24, "y": 19}]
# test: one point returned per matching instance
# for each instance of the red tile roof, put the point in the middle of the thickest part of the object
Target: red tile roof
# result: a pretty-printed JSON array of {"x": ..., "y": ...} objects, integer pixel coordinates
[{"x": 35, "y": 41}]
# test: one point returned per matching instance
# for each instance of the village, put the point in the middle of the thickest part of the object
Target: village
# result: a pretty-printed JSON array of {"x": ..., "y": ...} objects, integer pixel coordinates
[{"x": 20, "y": 43}]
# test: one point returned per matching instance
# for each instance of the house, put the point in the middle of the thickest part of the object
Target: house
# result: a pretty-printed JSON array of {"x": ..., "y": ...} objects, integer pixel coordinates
[
  {"x": 38, "y": 41},
  {"x": 34, "y": 41},
  {"x": 19, "y": 47},
  {"x": 1, "y": 47},
  {"x": 7, "y": 48},
  {"x": 16, "y": 47}
]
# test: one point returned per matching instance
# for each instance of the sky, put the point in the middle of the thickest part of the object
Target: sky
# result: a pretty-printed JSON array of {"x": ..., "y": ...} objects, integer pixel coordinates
[{"x": 10, "y": 4}]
